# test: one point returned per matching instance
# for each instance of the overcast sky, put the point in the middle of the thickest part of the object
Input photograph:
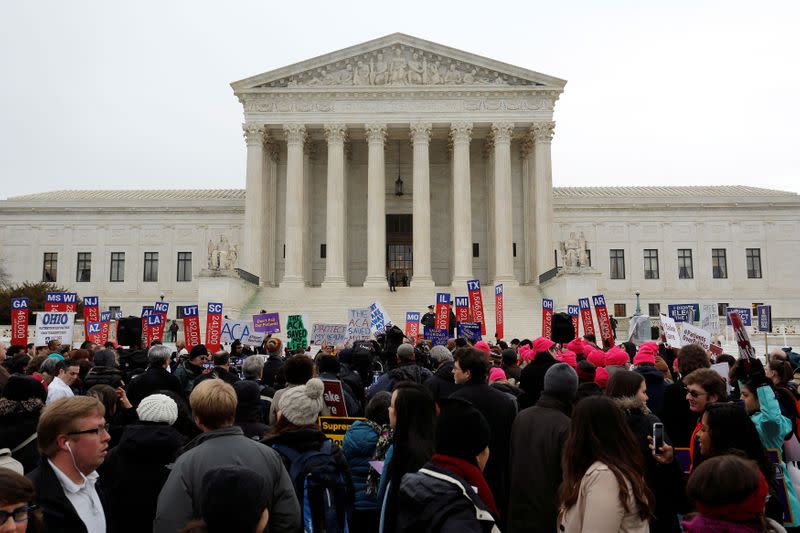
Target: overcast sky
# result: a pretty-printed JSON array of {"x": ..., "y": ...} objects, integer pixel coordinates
[{"x": 108, "y": 94}]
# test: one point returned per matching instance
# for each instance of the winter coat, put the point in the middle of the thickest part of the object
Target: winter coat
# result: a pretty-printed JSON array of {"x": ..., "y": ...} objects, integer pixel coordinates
[
  {"x": 353, "y": 380},
  {"x": 428, "y": 320},
  {"x": 666, "y": 481},
  {"x": 531, "y": 379},
  {"x": 154, "y": 379},
  {"x": 434, "y": 500},
  {"x": 442, "y": 383},
  {"x": 138, "y": 465},
  {"x": 512, "y": 372},
  {"x": 499, "y": 409},
  {"x": 678, "y": 420},
  {"x": 273, "y": 370},
  {"x": 537, "y": 440},
  {"x": 18, "y": 421},
  {"x": 407, "y": 372},
  {"x": 103, "y": 375},
  {"x": 654, "y": 381},
  {"x": 187, "y": 374},
  {"x": 598, "y": 508},
  {"x": 358, "y": 448},
  {"x": 587, "y": 389},
  {"x": 180, "y": 498},
  {"x": 353, "y": 407},
  {"x": 228, "y": 376}
]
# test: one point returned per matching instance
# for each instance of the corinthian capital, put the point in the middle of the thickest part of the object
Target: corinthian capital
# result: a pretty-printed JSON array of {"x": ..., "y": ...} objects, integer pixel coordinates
[
  {"x": 376, "y": 132},
  {"x": 501, "y": 131},
  {"x": 335, "y": 133},
  {"x": 253, "y": 133},
  {"x": 543, "y": 131},
  {"x": 421, "y": 132},
  {"x": 295, "y": 133},
  {"x": 461, "y": 132}
]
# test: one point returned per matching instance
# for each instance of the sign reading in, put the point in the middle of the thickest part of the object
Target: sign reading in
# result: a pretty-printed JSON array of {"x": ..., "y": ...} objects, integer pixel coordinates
[
  {"x": 586, "y": 316},
  {"x": 476, "y": 303}
]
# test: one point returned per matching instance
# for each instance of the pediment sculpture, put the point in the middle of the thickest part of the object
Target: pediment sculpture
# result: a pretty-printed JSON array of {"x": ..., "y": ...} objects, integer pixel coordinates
[{"x": 222, "y": 255}]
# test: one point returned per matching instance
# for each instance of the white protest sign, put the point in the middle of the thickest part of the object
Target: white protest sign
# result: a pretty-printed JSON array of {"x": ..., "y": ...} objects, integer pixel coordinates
[
  {"x": 54, "y": 326},
  {"x": 254, "y": 339},
  {"x": 639, "y": 329},
  {"x": 358, "y": 324},
  {"x": 709, "y": 319},
  {"x": 694, "y": 335},
  {"x": 722, "y": 369},
  {"x": 378, "y": 318},
  {"x": 670, "y": 331},
  {"x": 235, "y": 330},
  {"x": 330, "y": 334}
]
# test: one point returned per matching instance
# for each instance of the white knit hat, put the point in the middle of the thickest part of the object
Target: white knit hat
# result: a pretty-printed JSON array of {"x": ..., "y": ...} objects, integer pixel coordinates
[
  {"x": 158, "y": 408},
  {"x": 302, "y": 405}
]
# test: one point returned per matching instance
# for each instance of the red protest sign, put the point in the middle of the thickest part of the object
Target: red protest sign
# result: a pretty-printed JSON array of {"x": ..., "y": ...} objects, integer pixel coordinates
[
  {"x": 105, "y": 326},
  {"x": 742, "y": 339},
  {"x": 412, "y": 324},
  {"x": 476, "y": 303},
  {"x": 19, "y": 321},
  {"x": 191, "y": 326},
  {"x": 91, "y": 314},
  {"x": 146, "y": 312},
  {"x": 442, "y": 311},
  {"x": 334, "y": 397},
  {"x": 213, "y": 327},
  {"x": 586, "y": 316},
  {"x": 462, "y": 309},
  {"x": 547, "y": 318},
  {"x": 602, "y": 319},
  {"x": 498, "y": 310},
  {"x": 161, "y": 308},
  {"x": 573, "y": 312}
]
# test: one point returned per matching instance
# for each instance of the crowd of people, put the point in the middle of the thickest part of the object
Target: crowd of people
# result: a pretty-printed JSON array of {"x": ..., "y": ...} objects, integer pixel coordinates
[{"x": 524, "y": 436}]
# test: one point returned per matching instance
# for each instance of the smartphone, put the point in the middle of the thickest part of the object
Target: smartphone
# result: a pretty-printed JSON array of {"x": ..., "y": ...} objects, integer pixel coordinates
[{"x": 658, "y": 437}]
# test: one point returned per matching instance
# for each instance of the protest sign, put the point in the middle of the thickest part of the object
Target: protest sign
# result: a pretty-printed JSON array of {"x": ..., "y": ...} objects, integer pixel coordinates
[
  {"x": 462, "y": 308},
  {"x": 437, "y": 337},
  {"x": 709, "y": 319},
  {"x": 442, "y": 311},
  {"x": 155, "y": 324},
  {"x": 64, "y": 302},
  {"x": 378, "y": 318},
  {"x": 267, "y": 323},
  {"x": 256, "y": 338},
  {"x": 498, "y": 310},
  {"x": 117, "y": 317},
  {"x": 162, "y": 308},
  {"x": 93, "y": 332},
  {"x": 639, "y": 329},
  {"x": 54, "y": 326},
  {"x": 600, "y": 309},
  {"x": 586, "y": 316},
  {"x": 296, "y": 332},
  {"x": 19, "y": 321},
  {"x": 335, "y": 427},
  {"x": 91, "y": 313},
  {"x": 694, "y": 335},
  {"x": 683, "y": 312},
  {"x": 476, "y": 303},
  {"x": 745, "y": 315},
  {"x": 470, "y": 331},
  {"x": 740, "y": 333},
  {"x": 191, "y": 326},
  {"x": 334, "y": 397},
  {"x": 412, "y": 324},
  {"x": 671, "y": 334},
  {"x": 764, "y": 318},
  {"x": 722, "y": 369},
  {"x": 105, "y": 326},
  {"x": 358, "y": 324},
  {"x": 328, "y": 334},
  {"x": 547, "y": 318},
  {"x": 213, "y": 327},
  {"x": 147, "y": 310},
  {"x": 235, "y": 330},
  {"x": 716, "y": 349},
  {"x": 573, "y": 312}
]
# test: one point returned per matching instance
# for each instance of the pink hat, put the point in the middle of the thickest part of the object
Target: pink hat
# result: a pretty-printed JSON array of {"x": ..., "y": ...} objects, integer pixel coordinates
[
  {"x": 597, "y": 357},
  {"x": 569, "y": 357},
  {"x": 483, "y": 346},
  {"x": 616, "y": 356},
  {"x": 601, "y": 377},
  {"x": 496, "y": 374},
  {"x": 542, "y": 344},
  {"x": 576, "y": 346},
  {"x": 525, "y": 353},
  {"x": 647, "y": 353}
]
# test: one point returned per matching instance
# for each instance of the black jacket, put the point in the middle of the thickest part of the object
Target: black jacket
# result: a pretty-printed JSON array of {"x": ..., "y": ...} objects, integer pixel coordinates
[
  {"x": 428, "y": 320},
  {"x": 18, "y": 421},
  {"x": 442, "y": 383},
  {"x": 531, "y": 379},
  {"x": 155, "y": 379},
  {"x": 137, "y": 466},
  {"x": 103, "y": 375},
  {"x": 225, "y": 375},
  {"x": 273, "y": 371},
  {"x": 537, "y": 440},
  {"x": 679, "y": 421},
  {"x": 654, "y": 380}
]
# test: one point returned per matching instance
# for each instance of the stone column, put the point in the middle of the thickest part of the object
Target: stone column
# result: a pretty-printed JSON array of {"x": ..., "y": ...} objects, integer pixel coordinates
[
  {"x": 293, "y": 272},
  {"x": 503, "y": 221},
  {"x": 376, "y": 207},
  {"x": 543, "y": 196},
  {"x": 421, "y": 209},
  {"x": 528, "y": 235},
  {"x": 254, "y": 222},
  {"x": 335, "y": 226},
  {"x": 461, "y": 133}
]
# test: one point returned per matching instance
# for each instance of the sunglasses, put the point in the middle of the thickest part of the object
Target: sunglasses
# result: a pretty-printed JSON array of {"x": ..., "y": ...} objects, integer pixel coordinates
[
  {"x": 95, "y": 431},
  {"x": 695, "y": 394},
  {"x": 20, "y": 514}
]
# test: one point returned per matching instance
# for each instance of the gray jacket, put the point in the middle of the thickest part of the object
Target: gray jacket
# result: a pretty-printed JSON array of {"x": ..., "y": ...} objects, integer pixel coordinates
[{"x": 179, "y": 500}]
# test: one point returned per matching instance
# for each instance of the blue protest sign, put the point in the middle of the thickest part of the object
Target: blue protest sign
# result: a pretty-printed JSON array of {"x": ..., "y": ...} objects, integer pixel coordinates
[
  {"x": 683, "y": 312},
  {"x": 745, "y": 313},
  {"x": 470, "y": 330},
  {"x": 437, "y": 337},
  {"x": 764, "y": 313}
]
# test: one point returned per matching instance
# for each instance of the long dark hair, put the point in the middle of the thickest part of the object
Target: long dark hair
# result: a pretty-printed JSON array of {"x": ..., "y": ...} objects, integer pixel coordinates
[
  {"x": 415, "y": 412},
  {"x": 624, "y": 384},
  {"x": 599, "y": 433},
  {"x": 15, "y": 489}
]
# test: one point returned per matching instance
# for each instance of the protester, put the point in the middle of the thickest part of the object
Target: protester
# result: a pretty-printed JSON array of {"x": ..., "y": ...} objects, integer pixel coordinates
[
  {"x": 616, "y": 359},
  {"x": 537, "y": 442},
  {"x": 645, "y": 363},
  {"x": 22, "y": 403},
  {"x": 118, "y": 410},
  {"x": 679, "y": 420},
  {"x": 442, "y": 383},
  {"x": 104, "y": 371},
  {"x": 17, "y": 510},
  {"x": 213, "y": 404},
  {"x": 532, "y": 376},
  {"x": 406, "y": 370},
  {"x": 703, "y": 388},
  {"x": 273, "y": 366},
  {"x": 73, "y": 438},
  {"x": 155, "y": 378},
  {"x": 298, "y": 370},
  {"x": 328, "y": 368},
  {"x": 587, "y": 386},
  {"x": 603, "y": 489},
  {"x": 66, "y": 373},
  {"x": 440, "y": 496},
  {"x": 191, "y": 369},
  {"x": 253, "y": 370},
  {"x": 510, "y": 366},
  {"x": 249, "y": 414}
]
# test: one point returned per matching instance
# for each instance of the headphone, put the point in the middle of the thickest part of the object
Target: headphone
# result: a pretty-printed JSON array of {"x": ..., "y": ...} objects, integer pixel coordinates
[{"x": 67, "y": 445}]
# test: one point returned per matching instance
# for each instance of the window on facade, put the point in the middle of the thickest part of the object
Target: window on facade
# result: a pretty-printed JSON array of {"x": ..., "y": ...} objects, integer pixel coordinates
[
  {"x": 753, "y": 262},
  {"x": 719, "y": 263},
  {"x": 651, "y": 263},
  {"x": 589, "y": 257},
  {"x": 653, "y": 309},
  {"x": 754, "y": 308},
  {"x": 620, "y": 310},
  {"x": 150, "y": 266},
  {"x": 617, "y": 263},
  {"x": 476, "y": 250},
  {"x": 184, "y": 266},
  {"x": 685, "y": 268},
  {"x": 722, "y": 309},
  {"x": 84, "y": 271},
  {"x": 323, "y": 251},
  {"x": 117, "y": 266},
  {"x": 514, "y": 249},
  {"x": 50, "y": 267}
]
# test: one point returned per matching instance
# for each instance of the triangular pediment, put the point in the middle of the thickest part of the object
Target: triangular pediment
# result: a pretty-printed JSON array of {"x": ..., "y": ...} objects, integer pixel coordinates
[{"x": 398, "y": 60}]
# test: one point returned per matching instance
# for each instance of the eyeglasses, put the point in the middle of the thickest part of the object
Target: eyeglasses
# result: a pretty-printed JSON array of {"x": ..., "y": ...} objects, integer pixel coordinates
[
  {"x": 695, "y": 394},
  {"x": 96, "y": 431},
  {"x": 20, "y": 514}
]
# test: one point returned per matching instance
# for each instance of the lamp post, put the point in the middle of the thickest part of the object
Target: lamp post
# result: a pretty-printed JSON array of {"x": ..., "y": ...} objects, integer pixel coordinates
[
  {"x": 162, "y": 296},
  {"x": 398, "y": 183},
  {"x": 638, "y": 307}
]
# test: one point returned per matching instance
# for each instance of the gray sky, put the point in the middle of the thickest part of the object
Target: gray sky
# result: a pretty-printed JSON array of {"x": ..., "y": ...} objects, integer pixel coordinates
[{"x": 100, "y": 94}]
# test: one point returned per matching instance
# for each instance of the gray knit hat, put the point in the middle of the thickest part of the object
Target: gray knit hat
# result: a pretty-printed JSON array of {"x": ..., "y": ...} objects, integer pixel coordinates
[
  {"x": 302, "y": 405},
  {"x": 560, "y": 379},
  {"x": 440, "y": 354},
  {"x": 158, "y": 408}
]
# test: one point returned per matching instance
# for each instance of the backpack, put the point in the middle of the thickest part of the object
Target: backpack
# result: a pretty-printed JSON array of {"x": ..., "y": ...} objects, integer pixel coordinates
[{"x": 322, "y": 488}]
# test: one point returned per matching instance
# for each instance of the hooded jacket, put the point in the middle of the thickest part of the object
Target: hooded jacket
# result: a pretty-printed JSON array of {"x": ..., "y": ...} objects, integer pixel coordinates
[
  {"x": 654, "y": 381},
  {"x": 358, "y": 447},
  {"x": 154, "y": 379},
  {"x": 442, "y": 383},
  {"x": 188, "y": 373},
  {"x": 531, "y": 379}
]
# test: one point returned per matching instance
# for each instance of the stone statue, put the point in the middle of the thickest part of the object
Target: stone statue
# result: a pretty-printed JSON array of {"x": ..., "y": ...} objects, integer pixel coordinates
[
  {"x": 361, "y": 74},
  {"x": 222, "y": 255},
  {"x": 416, "y": 70},
  {"x": 211, "y": 249},
  {"x": 434, "y": 76},
  {"x": 469, "y": 77},
  {"x": 397, "y": 68},
  {"x": 345, "y": 76},
  {"x": 452, "y": 75},
  {"x": 583, "y": 253},
  {"x": 569, "y": 251},
  {"x": 379, "y": 71}
]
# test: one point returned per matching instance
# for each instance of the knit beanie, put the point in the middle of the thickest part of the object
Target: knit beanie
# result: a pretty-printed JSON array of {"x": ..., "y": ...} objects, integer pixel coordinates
[
  {"x": 105, "y": 357},
  {"x": 20, "y": 388},
  {"x": 483, "y": 346},
  {"x": 647, "y": 353},
  {"x": 542, "y": 344},
  {"x": 576, "y": 346},
  {"x": 560, "y": 379},
  {"x": 525, "y": 353},
  {"x": 496, "y": 374},
  {"x": 461, "y": 430},
  {"x": 616, "y": 356},
  {"x": 198, "y": 350},
  {"x": 569, "y": 357},
  {"x": 441, "y": 354},
  {"x": 586, "y": 372},
  {"x": 274, "y": 345},
  {"x": 601, "y": 377},
  {"x": 237, "y": 484},
  {"x": 158, "y": 408},
  {"x": 597, "y": 357},
  {"x": 302, "y": 405}
]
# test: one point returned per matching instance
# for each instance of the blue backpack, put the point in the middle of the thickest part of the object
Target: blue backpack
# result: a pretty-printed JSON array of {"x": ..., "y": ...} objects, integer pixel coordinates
[{"x": 322, "y": 488}]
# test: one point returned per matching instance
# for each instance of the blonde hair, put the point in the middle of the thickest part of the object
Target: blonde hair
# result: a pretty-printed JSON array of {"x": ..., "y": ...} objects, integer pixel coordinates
[
  {"x": 61, "y": 417},
  {"x": 214, "y": 402}
]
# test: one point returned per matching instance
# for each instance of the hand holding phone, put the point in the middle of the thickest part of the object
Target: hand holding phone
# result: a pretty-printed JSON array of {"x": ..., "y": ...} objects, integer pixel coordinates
[{"x": 658, "y": 438}]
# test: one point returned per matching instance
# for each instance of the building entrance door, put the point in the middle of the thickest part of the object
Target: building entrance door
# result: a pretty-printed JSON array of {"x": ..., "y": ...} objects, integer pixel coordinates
[{"x": 399, "y": 248}]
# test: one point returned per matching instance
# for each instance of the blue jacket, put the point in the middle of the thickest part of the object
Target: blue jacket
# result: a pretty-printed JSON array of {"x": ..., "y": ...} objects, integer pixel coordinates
[{"x": 358, "y": 447}]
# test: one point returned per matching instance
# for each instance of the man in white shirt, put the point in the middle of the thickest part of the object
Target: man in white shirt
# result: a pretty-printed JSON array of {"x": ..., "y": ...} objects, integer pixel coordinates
[
  {"x": 61, "y": 386},
  {"x": 73, "y": 436}
]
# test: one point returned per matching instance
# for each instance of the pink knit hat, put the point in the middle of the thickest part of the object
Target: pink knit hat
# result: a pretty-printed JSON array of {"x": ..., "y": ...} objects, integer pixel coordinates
[
  {"x": 525, "y": 353},
  {"x": 569, "y": 357},
  {"x": 496, "y": 374},
  {"x": 616, "y": 356},
  {"x": 601, "y": 377},
  {"x": 542, "y": 344},
  {"x": 576, "y": 346},
  {"x": 597, "y": 357},
  {"x": 647, "y": 353},
  {"x": 483, "y": 346}
]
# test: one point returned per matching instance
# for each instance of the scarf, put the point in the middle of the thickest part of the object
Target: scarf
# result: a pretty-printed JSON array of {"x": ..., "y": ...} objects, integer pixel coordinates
[
  {"x": 745, "y": 511},
  {"x": 469, "y": 473},
  {"x": 703, "y": 524},
  {"x": 385, "y": 440}
]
